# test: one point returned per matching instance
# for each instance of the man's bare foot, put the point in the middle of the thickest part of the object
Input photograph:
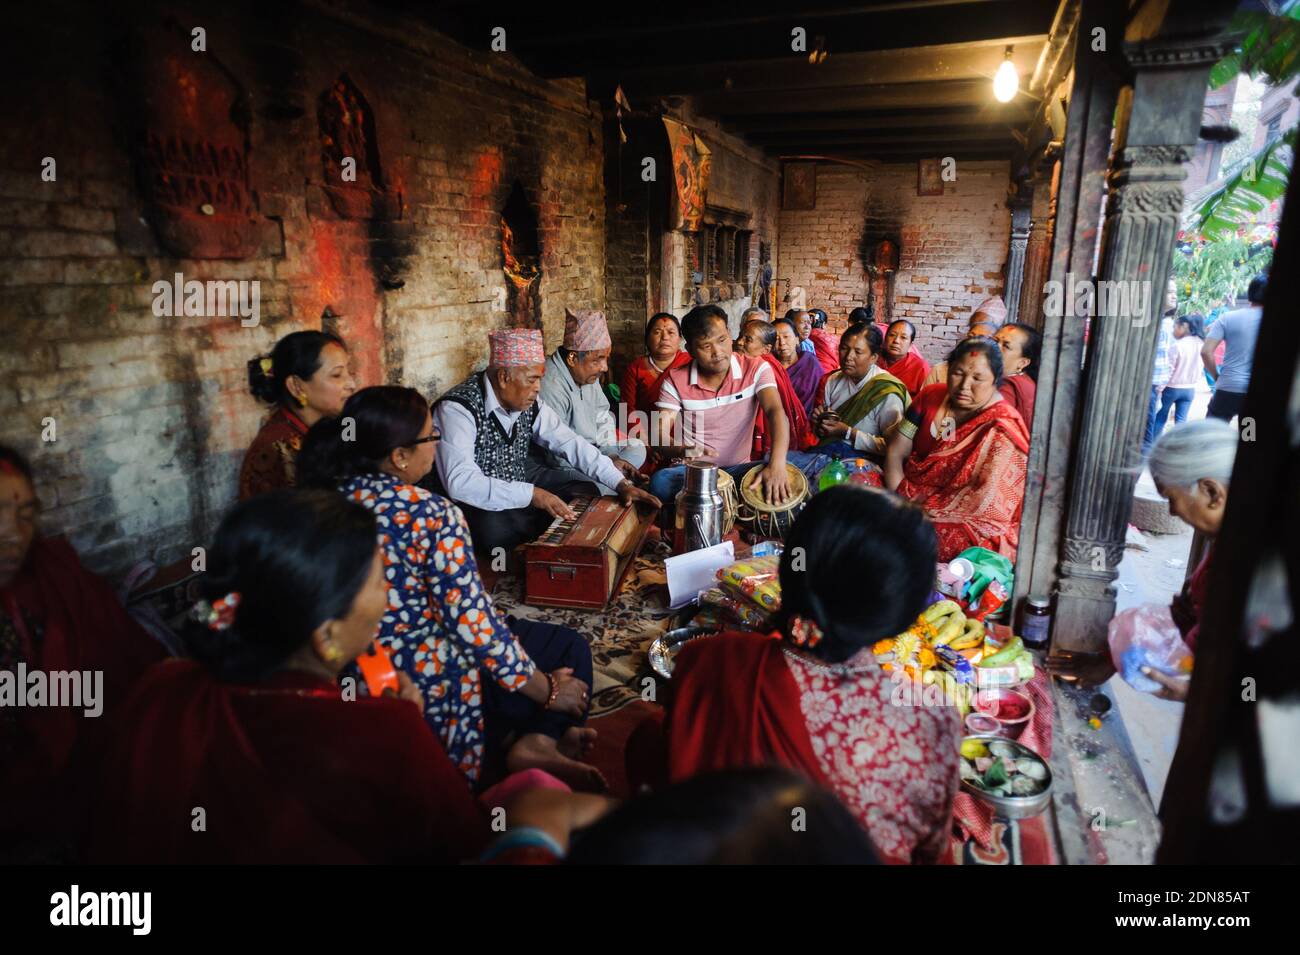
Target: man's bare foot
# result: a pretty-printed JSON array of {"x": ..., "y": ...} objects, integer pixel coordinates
[
  {"x": 577, "y": 742},
  {"x": 536, "y": 751}
]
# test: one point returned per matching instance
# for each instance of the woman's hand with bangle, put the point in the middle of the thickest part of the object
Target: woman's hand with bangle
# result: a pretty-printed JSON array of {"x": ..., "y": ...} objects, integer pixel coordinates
[{"x": 568, "y": 695}]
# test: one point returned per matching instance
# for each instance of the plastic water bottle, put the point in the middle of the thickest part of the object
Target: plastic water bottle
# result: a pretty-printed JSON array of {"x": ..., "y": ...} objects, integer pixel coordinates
[{"x": 833, "y": 474}]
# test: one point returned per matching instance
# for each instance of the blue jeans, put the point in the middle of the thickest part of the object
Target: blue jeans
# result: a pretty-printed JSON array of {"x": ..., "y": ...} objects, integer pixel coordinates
[
  {"x": 1149, "y": 436},
  {"x": 1180, "y": 399},
  {"x": 667, "y": 482}
]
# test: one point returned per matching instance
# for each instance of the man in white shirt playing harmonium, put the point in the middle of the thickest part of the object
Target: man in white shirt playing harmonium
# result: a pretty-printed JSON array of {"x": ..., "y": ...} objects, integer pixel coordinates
[{"x": 488, "y": 423}]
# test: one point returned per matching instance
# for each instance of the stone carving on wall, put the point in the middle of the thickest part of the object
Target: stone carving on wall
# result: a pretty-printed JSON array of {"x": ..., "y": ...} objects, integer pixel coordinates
[
  {"x": 190, "y": 146},
  {"x": 350, "y": 163}
]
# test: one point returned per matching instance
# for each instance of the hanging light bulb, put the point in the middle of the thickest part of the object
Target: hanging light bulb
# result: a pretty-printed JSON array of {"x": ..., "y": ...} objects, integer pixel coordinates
[{"x": 1006, "y": 80}]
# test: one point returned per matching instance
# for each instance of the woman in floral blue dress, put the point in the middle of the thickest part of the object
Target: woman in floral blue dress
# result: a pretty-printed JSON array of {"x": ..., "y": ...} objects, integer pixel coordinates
[{"x": 510, "y": 698}]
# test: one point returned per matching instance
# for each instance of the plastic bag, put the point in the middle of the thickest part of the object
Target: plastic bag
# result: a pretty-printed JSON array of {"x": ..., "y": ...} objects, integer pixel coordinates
[
  {"x": 745, "y": 613},
  {"x": 1147, "y": 636},
  {"x": 756, "y": 579},
  {"x": 989, "y": 566}
]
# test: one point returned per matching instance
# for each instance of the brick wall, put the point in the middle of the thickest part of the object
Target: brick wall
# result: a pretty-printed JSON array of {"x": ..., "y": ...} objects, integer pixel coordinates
[
  {"x": 952, "y": 248},
  {"x": 649, "y": 268},
  {"x": 742, "y": 180},
  {"x": 152, "y": 412}
]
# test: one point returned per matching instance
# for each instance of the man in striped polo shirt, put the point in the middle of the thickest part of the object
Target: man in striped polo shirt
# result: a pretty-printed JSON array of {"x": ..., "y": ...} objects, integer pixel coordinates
[{"x": 712, "y": 404}]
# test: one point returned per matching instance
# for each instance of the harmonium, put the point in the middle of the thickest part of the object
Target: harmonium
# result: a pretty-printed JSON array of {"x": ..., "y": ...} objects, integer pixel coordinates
[{"x": 583, "y": 562}]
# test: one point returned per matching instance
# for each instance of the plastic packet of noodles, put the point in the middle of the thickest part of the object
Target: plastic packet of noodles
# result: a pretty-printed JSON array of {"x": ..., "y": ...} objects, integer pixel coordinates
[
  {"x": 741, "y": 609},
  {"x": 755, "y": 579}
]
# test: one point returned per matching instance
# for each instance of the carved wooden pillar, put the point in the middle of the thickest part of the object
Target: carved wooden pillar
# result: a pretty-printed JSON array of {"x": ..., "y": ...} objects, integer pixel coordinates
[
  {"x": 1021, "y": 206},
  {"x": 1027, "y": 305},
  {"x": 1159, "y": 119}
]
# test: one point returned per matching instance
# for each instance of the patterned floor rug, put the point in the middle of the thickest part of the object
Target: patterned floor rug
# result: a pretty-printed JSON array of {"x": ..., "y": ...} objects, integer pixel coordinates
[{"x": 619, "y": 635}]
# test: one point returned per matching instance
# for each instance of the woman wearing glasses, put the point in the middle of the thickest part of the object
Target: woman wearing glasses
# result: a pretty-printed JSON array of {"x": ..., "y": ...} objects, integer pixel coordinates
[{"x": 440, "y": 626}]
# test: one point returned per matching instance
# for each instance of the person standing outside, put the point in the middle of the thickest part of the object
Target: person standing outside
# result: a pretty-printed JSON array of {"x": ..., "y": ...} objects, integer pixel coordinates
[
  {"x": 1160, "y": 370},
  {"x": 1238, "y": 329},
  {"x": 1184, "y": 370}
]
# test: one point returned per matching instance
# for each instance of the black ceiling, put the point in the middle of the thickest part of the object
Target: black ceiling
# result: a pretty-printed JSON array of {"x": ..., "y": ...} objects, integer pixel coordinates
[{"x": 901, "y": 80}]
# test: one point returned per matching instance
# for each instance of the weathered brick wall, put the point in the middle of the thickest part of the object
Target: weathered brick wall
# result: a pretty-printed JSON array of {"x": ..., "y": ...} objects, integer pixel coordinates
[
  {"x": 649, "y": 269},
  {"x": 952, "y": 248},
  {"x": 152, "y": 413}
]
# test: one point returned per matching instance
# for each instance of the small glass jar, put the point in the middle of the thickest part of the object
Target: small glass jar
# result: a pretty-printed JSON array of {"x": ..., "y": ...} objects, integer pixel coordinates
[{"x": 1036, "y": 622}]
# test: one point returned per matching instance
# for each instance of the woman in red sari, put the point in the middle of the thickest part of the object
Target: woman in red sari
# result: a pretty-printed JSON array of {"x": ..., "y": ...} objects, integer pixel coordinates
[
  {"x": 1021, "y": 346},
  {"x": 811, "y": 696},
  {"x": 306, "y": 378},
  {"x": 56, "y": 617},
  {"x": 663, "y": 345},
  {"x": 257, "y": 754},
  {"x": 961, "y": 453},
  {"x": 802, "y": 367},
  {"x": 757, "y": 339},
  {"x": 901, "y": 359}
]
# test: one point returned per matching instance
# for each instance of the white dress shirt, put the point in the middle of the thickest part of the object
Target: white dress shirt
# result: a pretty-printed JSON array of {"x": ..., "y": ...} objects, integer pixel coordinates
[{"x": 465, "y": 481}]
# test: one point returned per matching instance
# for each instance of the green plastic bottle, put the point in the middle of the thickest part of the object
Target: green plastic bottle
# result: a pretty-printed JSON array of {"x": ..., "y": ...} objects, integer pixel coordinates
[{"x": 833, "y": 474}]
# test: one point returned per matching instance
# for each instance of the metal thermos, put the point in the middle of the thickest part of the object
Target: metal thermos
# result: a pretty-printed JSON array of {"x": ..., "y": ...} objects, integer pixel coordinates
[{"x": 700, "y": 509}]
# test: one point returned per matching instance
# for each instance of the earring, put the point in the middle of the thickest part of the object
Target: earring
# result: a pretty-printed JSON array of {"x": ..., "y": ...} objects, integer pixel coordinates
[
  {"x": 805, "y": 633},
  {"x": 302, "y": 400},
  {"x": 331, "y": 653}
]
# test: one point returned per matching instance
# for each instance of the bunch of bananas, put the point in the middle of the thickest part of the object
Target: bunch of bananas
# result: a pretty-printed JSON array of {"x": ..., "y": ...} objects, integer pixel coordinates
[{"x": 951, "y": 627}]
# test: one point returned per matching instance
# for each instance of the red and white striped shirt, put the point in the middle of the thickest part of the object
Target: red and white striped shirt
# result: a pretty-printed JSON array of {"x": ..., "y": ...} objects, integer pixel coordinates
[{"x": 724, "y": 419}]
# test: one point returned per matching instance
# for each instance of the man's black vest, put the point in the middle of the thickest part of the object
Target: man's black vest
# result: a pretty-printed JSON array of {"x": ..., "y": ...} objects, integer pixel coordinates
[{"x": 498, "y": 454}]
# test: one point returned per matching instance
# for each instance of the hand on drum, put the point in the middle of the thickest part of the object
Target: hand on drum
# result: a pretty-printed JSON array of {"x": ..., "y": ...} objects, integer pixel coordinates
[{"x": 776, "y": 483}]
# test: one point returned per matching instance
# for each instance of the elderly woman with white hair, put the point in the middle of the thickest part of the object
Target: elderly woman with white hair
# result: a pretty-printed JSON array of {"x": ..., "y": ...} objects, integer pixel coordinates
[{"x": 1191, "y": 465}]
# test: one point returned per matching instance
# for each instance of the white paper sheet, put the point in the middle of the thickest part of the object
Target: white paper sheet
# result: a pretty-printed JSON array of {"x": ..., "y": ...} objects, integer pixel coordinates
[{"x": 692, "y": 572}]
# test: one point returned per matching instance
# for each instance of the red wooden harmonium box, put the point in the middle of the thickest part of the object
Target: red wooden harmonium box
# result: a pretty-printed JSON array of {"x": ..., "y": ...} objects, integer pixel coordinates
[{"x": 583, "y": 563}]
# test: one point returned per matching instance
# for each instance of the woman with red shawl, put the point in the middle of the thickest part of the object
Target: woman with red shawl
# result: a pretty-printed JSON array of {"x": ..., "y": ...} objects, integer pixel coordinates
[
  {"x": 56, "y": 618},
  {"x": 1020, "y": 345},
  {"x": 961, "y": 453},
  {"x": 663, "y": 345},
  {"x": 804, "y": 370},
  {"x": 811, "y": 696},
  {"x": 257, "y": 754},
  {"x": 826, "y": 344},
  {"x": 901, "y": 359},
  {"x": 757, "y": 337}
]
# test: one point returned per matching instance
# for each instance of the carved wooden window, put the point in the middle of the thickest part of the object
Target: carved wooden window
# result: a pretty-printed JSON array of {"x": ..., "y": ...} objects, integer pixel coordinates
[{"x": 740, "y": 269}]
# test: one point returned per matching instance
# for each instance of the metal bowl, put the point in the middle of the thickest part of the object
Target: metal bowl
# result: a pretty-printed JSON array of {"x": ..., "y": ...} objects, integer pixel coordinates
[
  {"x": 1012, "y": 807},
  {"x": 988, "y": 702},
  {"x": 663, "y": 651}
]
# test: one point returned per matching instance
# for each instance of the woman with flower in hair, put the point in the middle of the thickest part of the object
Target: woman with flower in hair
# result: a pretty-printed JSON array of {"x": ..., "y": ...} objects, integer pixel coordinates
[
  {"x": 257, "y": 740},
  {"x": 857, "y": 568},
  {"x": 305, "y": 378}
]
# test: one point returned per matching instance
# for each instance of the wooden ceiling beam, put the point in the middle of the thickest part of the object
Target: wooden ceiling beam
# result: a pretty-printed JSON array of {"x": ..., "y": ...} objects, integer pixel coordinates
[
  {"x": 937, "y": 140},
  {"x": 921, "y": 64},
  {"x": 953, "y": 93},
  {"x": 995, "y": 113},
  {"x": 558, "y": 42}
]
